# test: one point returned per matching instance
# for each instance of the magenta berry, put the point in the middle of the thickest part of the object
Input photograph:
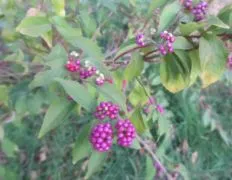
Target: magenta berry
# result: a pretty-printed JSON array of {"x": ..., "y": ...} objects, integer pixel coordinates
[
  {"x": 188, "y": 4},
  {"x": 160, "y": 109},
  {"x": 106, "y": 109},
  {"x": 125, "y": 132},
  {"x": 229, "y": 62},
  {"x": 140, "y": 39},
  {"x": 99, "y": 81},
  {"x": 73, "y": 65},
  {"x": 87, "y": 72},
  {"x": 101, "y": 137}
]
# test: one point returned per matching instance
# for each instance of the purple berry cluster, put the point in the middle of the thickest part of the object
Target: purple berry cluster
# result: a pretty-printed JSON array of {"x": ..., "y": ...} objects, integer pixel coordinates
[
  {"x": 167, "y": 47},
  {"x": 87, "y": 72},
  {"x": 84, "y": 70},
  {"x": 106, "y": 109},
  {"x": 125, "y": 132},
  {"x": 102, "y": 134},
  {"x": 101, "y": 137},
  {"x": 199, "y": 11},
  {"x": 229, "y": 62},
  {"x": 140, "y": 39}
]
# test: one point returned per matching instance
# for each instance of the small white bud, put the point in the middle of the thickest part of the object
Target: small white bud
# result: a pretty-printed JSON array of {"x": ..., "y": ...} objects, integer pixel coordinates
[
  {"x": 102, "y": 76},
  {"x": 152, "y": 31}
]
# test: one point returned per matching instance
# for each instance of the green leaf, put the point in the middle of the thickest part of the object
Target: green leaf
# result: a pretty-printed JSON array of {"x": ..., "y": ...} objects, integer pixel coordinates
[
  {"x": 154, "y": 5},
  {"x": 59, "y": 7},
  {"x": 74, "y": 38},
  {"x": 137, "y": 119},
  {"x": 47, "y": 37},
  {"x": 1, "y": 132},
  {"x": 4, "y": 94},
  {"x": 188, "y": 28},
  {"x": 213, "y": 58},
  {"x": 135, "y": 68},
  {"x": 182, "y": 43},
  {"x": 57, "y": 57},
  {"x": 164, "y": 125},
  {"x": 215, "y": 21},
  {"x": 57, "y": 112},
  {"x": 110, "y": 92},
  {"x": 67, "y": 31},
  {"x": 79, "y": 93},
  {"x": 56, "y": 60},
  {"x": 9, "y": 147},
  {"x": 168, "y": 15},
  {"x": 184, "y": 172},
  {"x": 150, "y": 170},
  {"x": 225, "y": 15},
  {"x": 135, "y": 145},
  {"x": 88, "y": 46},
  {"x": 34, "y": 26},
  {"x": 89, "y": 24},
  {"x": 138, "y": 95},
  {"x": 82, "y": 146},
  {"x": 175, "y": 72},
  {"x": 95, "y": 162},
  {"x": 195, "y": 67},
  {"x": 18, "y": 56},
  {"x": 44, "y": 78}
]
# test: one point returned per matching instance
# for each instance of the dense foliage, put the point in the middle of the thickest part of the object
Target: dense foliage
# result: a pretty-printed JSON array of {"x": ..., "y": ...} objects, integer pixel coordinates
[{"x": 102, "y": 76}]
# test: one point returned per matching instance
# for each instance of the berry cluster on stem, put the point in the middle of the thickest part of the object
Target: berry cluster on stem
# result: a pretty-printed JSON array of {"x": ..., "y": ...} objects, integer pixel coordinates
[
  {"x": 102, "y": 134},
  {"x": 85, "y": 70},
  {"x": 167, "y": 46},
  {"x": 198, "y": 11}
]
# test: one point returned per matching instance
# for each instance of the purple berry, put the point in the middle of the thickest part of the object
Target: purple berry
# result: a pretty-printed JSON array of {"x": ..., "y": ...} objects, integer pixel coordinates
[
  {"x": 160, "y": 109},
  {"x": 101, "y": 137},
  {"x": 140, "y": 39},
  {"x": 87, "y": 72},
  {"x": 229, "y": 62},
  {"x": 73, "y": 64},
  {"x": 188, "y": 4},
  {"x": 125, "y": 132},
  {"x": 106, "y": 109}
]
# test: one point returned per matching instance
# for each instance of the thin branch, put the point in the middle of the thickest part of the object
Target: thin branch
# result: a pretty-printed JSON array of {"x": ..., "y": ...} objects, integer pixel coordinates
[
  {"x": 153, "y": 155},
  {"x": 130, "y": 50}
]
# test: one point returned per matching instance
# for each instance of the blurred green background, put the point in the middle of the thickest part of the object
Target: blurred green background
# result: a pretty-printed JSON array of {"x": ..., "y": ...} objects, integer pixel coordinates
[{"x": 201, "y": 118}]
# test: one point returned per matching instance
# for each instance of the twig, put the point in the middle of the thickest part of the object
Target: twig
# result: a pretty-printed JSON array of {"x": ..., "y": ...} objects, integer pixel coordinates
[
  {"x": 153, "y": 155},
  {"x": 130, "y": 50}
]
